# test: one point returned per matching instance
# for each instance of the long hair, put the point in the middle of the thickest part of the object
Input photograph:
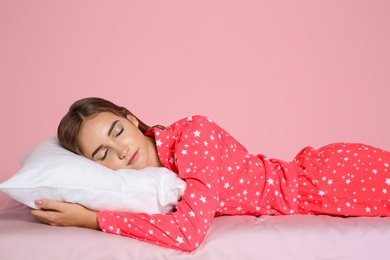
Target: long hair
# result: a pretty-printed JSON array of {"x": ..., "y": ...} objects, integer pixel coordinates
[{"x": 87, "y": 108}]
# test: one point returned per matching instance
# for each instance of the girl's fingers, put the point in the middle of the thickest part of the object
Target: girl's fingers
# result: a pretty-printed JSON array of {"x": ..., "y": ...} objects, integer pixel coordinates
[{"x": 50, "y": 204}]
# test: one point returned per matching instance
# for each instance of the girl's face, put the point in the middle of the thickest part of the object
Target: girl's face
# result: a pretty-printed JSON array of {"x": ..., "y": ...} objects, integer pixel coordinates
[{"x": 117, "y": 143}]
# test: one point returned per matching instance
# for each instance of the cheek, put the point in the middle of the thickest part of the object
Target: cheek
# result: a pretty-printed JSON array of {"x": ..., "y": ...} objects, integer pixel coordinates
[
  {"x": 111, "y": 163},
  {"x": 108, "y": 165}
]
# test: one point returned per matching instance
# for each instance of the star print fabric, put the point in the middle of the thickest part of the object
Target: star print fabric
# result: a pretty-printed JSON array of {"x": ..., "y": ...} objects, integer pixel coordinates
[
  {"x": 344, "y": 179},
  {"x": 224, "y": 179}
]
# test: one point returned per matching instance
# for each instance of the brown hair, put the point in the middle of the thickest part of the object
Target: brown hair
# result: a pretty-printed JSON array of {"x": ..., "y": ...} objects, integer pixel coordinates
[{"x": 69, "y": 127}]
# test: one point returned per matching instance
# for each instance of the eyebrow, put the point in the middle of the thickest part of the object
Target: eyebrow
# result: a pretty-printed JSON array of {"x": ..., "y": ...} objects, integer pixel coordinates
[{"x": 108, "y": 134}]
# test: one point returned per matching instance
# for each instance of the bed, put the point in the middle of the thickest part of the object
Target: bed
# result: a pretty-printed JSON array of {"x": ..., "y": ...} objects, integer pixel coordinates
[
  {"x": 50, "y": 171},
  {"x": 230, "y": 237}
]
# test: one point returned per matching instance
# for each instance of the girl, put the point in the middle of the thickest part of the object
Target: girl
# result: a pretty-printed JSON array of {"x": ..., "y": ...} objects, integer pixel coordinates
[{"x": 222, "y": 177}]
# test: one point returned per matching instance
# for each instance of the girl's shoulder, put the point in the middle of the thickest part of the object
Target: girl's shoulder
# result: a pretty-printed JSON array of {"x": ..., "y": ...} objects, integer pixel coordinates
[
  {"x": 194, "y": 121},
  {"x": 182, "y": 125}
]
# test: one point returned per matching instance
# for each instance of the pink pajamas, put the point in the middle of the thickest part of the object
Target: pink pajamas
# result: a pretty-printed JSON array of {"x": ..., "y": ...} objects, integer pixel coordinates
[
  {"x": 224, "y": 179},
  {"x": 345, "y": 180}
]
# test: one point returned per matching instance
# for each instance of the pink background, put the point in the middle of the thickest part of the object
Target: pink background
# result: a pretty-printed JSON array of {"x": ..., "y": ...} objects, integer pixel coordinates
[{"x": 278, "y": 75}]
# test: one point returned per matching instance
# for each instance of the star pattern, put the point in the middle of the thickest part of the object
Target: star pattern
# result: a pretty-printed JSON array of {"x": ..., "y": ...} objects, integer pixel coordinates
[
  {"x": 350, "y": 185},
  {"x": 224, "y": 179}
]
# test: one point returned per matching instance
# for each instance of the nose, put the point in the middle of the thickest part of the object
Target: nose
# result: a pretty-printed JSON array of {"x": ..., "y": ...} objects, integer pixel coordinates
[{"x": 122, "y": 151}]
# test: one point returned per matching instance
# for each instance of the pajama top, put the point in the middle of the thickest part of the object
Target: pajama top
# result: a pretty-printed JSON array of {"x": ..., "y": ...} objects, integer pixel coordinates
[{"x": 224, "y": 179}]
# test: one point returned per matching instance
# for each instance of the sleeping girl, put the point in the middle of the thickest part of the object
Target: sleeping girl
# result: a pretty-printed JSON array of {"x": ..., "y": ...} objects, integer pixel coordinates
[{"x": 222, "y": 178}]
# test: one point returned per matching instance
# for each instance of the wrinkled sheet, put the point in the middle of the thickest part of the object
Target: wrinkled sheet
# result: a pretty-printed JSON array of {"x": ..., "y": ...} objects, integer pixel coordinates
[{"x": 230, "y": 237}]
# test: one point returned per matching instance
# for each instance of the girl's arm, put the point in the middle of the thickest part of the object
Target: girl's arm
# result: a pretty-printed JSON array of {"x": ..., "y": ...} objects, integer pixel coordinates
[
  {"x": 184, "y": 229},
  {"x": 58, "y": 213}
]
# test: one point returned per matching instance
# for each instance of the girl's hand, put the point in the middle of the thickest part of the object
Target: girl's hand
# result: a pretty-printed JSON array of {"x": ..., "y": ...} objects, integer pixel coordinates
[{"x": 57, "y": 213}]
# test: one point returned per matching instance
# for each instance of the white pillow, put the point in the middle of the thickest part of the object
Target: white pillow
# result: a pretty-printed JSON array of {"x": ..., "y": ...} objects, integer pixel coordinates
[{"x": 49, "y": 171}]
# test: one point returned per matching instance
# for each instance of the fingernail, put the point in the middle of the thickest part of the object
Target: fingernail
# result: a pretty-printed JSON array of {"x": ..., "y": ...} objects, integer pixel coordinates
[{"x": 38, "y": 202}]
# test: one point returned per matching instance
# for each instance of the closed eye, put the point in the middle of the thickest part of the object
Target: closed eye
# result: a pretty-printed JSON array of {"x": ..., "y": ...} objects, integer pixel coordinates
[
  {"x": 104, "y": 156},
  {"x": 120, "y": 132}
]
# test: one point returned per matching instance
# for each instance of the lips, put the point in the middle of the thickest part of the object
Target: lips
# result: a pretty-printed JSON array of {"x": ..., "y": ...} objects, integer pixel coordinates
[{"x": 133, "y": 158}]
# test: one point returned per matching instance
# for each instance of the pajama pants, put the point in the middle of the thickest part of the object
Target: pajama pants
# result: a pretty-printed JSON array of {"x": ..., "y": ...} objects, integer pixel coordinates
[{"x": 344, "y": 179}]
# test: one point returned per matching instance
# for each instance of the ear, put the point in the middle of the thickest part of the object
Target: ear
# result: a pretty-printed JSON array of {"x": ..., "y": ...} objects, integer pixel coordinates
[{"x": 133, "y": 120}]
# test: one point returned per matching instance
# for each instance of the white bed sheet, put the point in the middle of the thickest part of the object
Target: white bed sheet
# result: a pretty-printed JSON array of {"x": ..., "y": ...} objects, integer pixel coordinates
[{"x": 230, "y": 237}]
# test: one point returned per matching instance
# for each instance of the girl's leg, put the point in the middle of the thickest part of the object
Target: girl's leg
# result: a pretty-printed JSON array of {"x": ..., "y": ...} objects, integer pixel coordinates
[{"x": 344, "y": 179}]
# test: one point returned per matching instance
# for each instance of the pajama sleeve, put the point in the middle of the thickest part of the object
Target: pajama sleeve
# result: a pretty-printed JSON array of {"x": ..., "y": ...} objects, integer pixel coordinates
[{"x": 185, "y": 228}]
